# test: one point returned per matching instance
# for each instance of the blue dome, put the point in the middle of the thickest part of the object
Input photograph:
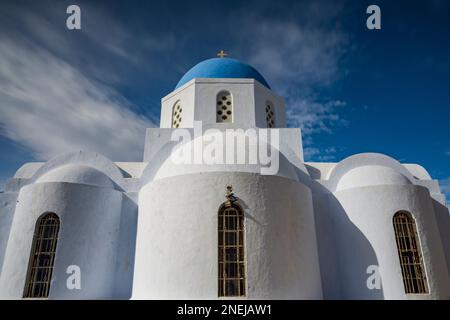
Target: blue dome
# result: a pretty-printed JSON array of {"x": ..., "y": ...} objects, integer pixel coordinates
[{"x": 222, "y": 68}]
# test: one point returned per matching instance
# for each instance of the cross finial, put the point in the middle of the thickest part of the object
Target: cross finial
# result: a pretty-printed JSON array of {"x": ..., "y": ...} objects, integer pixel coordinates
[{"x": 222, "y": 54}]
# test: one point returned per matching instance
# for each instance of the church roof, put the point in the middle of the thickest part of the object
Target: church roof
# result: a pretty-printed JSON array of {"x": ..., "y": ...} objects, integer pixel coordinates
[
  {"x": 371, "y": 175},
  {"x": 222, "y": 68},
  {"x": 77, "y": 173}
]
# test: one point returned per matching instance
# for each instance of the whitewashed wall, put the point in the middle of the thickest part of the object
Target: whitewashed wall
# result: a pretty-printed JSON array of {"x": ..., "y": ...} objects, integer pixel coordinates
[
  {"x": 90, "y": 221},
  {"x": 176, "y": 250},
  {"x": 7, "y": 207},
  {"x": 365, "y": 233}
]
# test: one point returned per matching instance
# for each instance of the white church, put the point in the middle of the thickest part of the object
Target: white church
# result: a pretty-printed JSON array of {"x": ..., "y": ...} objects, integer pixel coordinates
[{"x": 81, "y": 226}]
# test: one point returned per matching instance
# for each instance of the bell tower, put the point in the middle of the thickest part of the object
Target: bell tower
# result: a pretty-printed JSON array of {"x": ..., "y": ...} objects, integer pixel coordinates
[{"x": 222, "y": 93}]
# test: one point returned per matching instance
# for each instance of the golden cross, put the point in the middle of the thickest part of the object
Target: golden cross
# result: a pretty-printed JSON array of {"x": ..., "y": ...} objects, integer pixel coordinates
[{"x": 222, "y": 54}]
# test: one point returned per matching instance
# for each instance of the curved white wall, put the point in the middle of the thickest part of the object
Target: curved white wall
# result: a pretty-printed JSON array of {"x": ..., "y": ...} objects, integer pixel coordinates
[
  {"x": 88, "y": 238},
  {"x": 7, "y": 206},
  {"x": 365, "y": 236},
  {"x": 176, "y": 246},
  {"x": 371, "y": 175},
  {"x": 76, "y": 173},
  {"x": 176, "y": 159}
]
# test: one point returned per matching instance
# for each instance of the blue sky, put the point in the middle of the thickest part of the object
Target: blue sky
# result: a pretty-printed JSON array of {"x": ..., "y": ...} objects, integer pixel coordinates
[{"x": 352, "y": 90}]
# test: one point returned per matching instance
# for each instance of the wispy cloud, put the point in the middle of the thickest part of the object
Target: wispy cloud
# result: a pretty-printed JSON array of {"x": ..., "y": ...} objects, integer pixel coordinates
[
  {"x": 445, "y": 187},
  {"x": 314, "y": 117},
  {"x": 327, "y": 154},
  {"x": 2, "y": 184},
  {"x": 301, "y": 55},
  {"x": 106, "y": 48},
  {"x": 295, "y": 54},
  {"x": 53, "y": 99},
  {"x": 52, "y": 108}
]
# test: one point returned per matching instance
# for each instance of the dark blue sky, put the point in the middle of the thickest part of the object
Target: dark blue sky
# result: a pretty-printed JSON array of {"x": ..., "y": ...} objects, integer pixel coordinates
[{"x": 351, "y": 89}]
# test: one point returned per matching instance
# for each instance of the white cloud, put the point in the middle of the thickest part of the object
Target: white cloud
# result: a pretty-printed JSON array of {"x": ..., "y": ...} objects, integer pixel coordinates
[
  {"x": 107, "y": 48},
  {"x": 445, "y": 187},
  {"x": 314, "y": 154},
  {"x": 56, "y": 91},
  {"x": 314, "y": 117},
  {"x": 50, "y": 107},
  {"x": 2, "y": 184},
  {"x": 310, "y": 152},
  {"x": 298, "y": 56}
]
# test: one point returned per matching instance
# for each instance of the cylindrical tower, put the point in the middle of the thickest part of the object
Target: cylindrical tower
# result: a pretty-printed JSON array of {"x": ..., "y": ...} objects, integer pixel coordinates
[
  {"x": 83, "y": 238},
  {"x": 178, "y": 245},
  {"x": 386, "y": 228}
]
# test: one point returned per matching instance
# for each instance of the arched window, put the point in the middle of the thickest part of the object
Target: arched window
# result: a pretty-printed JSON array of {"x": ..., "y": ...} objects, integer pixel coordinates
[
  {"x": 42, "y": 257},
  {"x": 177, "y": 113},
  {"x": 231, "y": 251},
  {"x": 410, "y": 254},
  {"x": 224, "y": 106},
  {"x": 270, "y": 116}
]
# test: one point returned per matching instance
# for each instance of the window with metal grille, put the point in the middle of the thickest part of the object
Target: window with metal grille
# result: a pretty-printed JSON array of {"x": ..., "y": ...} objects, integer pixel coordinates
[
  {"x": 231, "y": 251},
  {"x": 414, "y": 277},
  {"x": 42, "y": 257},
  {"x": 270, "y": 116},
  {"x": 177, "y": 113},
  {"x": 224, "y": 107}
]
